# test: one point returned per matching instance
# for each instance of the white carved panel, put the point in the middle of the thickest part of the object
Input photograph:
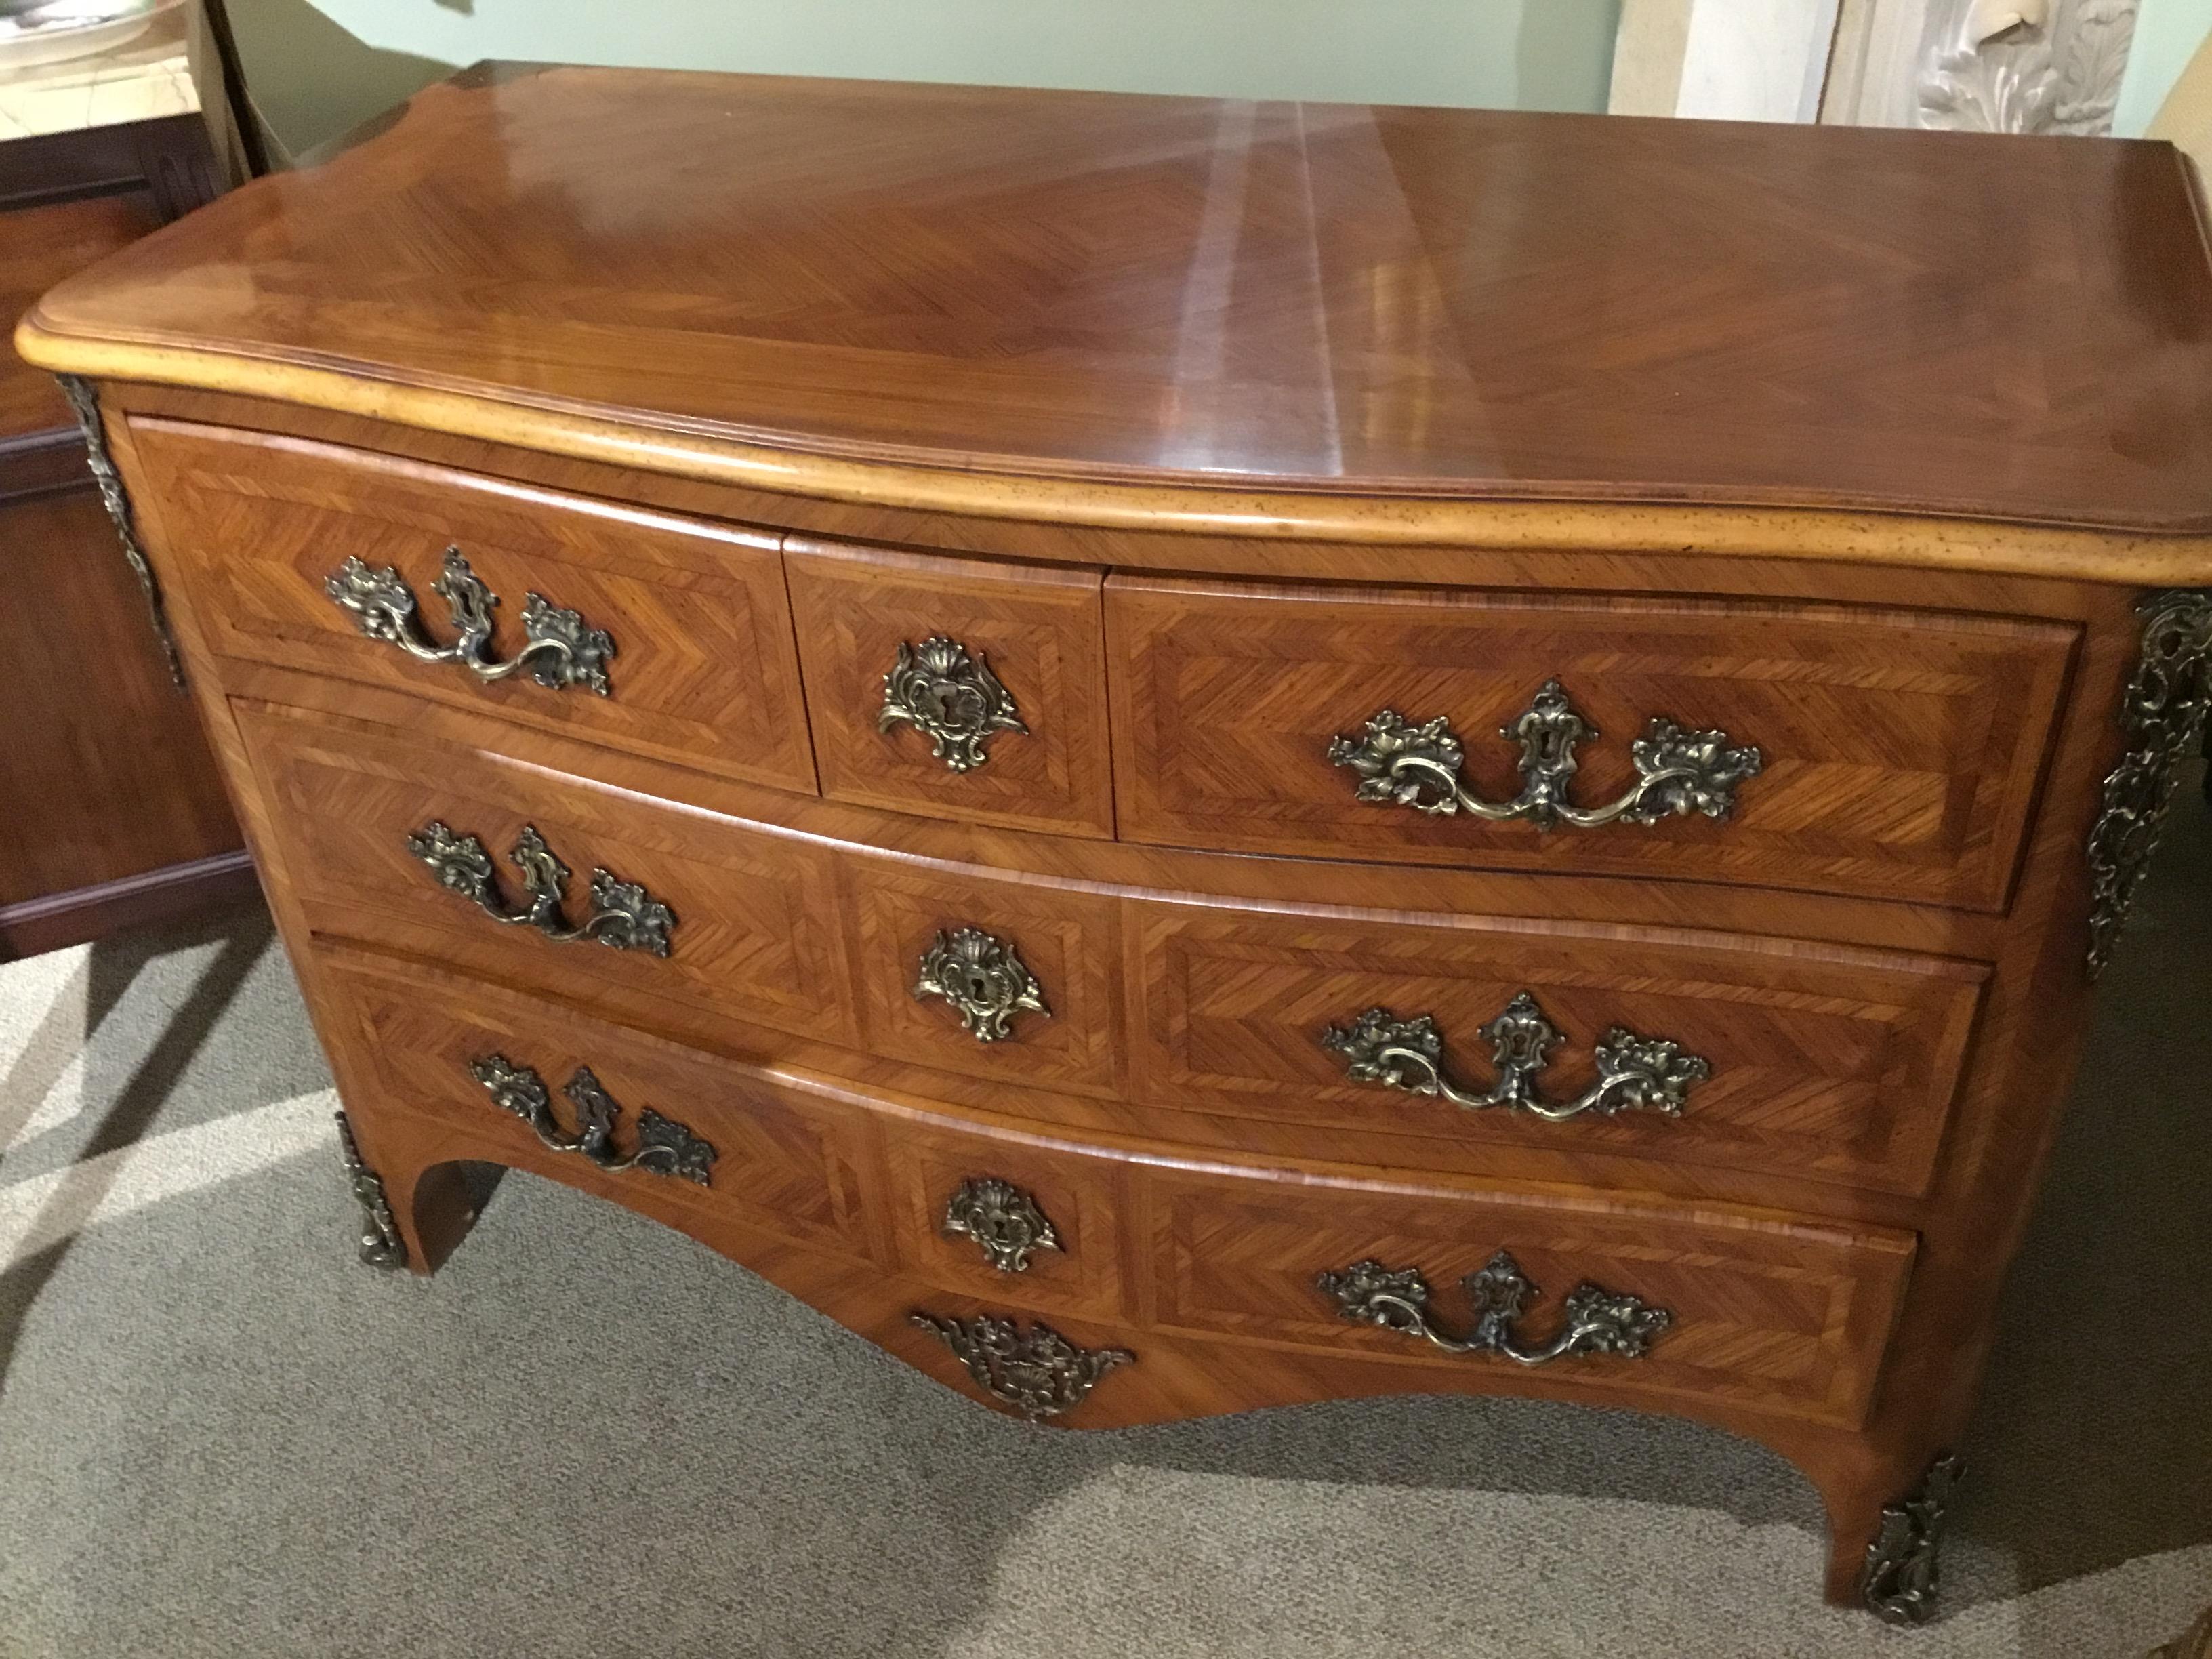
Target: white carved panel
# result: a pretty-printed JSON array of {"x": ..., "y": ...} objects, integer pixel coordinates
[{"x": 2042, "y": 66}]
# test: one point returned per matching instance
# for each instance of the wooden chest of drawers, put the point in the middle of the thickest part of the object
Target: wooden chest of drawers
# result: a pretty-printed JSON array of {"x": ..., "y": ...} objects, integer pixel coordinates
[{"x": 1176, "y": 757}]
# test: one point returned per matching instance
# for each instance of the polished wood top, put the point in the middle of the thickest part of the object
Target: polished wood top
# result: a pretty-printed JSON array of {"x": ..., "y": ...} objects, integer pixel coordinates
[{"x": 973, "y": 284}]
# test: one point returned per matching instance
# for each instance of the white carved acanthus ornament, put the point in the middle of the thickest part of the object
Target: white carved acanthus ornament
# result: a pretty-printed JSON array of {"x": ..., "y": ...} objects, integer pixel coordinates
[{"x": 2033, "y": 66}]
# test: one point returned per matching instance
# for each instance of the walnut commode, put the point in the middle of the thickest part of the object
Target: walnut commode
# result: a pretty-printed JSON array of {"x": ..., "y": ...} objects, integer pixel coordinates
[{"x": 1178, "y": 756}]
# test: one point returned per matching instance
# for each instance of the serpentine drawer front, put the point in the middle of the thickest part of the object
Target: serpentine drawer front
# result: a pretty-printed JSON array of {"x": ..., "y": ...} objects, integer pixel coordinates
[
  {"x": 1785, "y": 1320},
  {"x": 1838, "y": 1065},
  {"x": 1897, "y": 752},
  {"x": 700, "y": 666},
  {"x": 1164, "y": 822}
]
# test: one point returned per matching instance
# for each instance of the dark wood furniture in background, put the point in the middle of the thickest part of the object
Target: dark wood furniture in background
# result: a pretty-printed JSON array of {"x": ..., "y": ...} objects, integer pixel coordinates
[
  {"x": 116, "y": 816},
  {"x": 825, "y": 661}
]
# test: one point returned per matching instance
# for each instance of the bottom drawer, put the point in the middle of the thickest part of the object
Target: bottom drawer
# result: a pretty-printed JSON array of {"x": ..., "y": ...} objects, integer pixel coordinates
[
  {"x": 878, "y": 1208},
  {"x": 1653, "y": 1299}
]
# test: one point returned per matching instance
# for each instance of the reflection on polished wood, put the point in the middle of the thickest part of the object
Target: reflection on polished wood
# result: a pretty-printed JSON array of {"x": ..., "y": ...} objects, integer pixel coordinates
[
  {"x": 1207, "y": 428},
  {"x": 1083, "y": 287}
]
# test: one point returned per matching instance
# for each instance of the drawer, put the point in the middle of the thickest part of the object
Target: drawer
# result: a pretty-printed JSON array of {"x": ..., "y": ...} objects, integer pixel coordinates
[
  {"x": 1204, "y": 1273},
  {"x": 1758, "y": 1311},
  {"x": 1024, "y": 976},
  {"x": 1773, "y": 1056},
  {"x": 702, "y": 671},
  {"x": 697, "y": 919},
  {"x": 1897, "y": 752},
  {"x": 955, "y": 687},
  {"x": 503, "y": 1073},
  {"x": 1002, "y": 1217},
  {"x": 759, "y": 927}
]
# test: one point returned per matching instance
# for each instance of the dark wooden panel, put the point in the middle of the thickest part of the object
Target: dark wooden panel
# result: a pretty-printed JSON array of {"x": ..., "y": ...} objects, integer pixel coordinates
[
  {"x": 102, "y": 763},
  {"x": 703, "y": 671},
  {"x": 1036, "y": 630},
  {"x": 39, "y": 247},
  {"x": 57, "y": 920},
  {"x": 1901, "y": 750}
]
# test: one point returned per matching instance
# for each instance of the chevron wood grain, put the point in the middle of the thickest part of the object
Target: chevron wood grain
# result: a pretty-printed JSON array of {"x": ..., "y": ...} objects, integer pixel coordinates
[
  {"x": 704, "y": 671},
  {"x": 1039, "y": 634},
  {"x": 1215, "y": 431},
  {"x": 1900, "y": 750}
]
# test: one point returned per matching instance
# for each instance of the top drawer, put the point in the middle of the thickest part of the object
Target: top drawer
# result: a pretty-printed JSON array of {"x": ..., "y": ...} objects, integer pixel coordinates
[
  {"x": 695, "y": 663},
  {"x": 1897, "y": 752}
]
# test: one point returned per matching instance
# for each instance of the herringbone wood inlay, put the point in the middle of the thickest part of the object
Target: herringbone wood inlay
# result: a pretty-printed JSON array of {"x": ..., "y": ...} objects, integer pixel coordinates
[
  {"x": 703, "y": 673},
  {"x": 1901, "y": 751},
  {"x": 1842, "y": 1065}
]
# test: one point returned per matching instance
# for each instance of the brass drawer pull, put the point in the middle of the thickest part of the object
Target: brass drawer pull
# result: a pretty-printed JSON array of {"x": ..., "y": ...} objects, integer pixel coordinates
[
  {"x": 561, "y": 651},
  {"x": 1634, "y": 1073},
  {"x": 1039, "y": 1372},
  {"x": 624, "y": 915},
  {"x": 1004, "y": 1221},
  {"x": 940, "y": 688},
  {"x": 1402, "y": 764},
  {"x": 981, "y": 977},
  {"x": 664, "y": 1146},
  {"x": 1597, "y": 1320}
]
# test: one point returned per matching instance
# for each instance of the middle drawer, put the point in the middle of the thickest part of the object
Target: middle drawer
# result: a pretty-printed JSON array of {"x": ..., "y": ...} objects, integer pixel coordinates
[{"x": 1401, "y": 1041}]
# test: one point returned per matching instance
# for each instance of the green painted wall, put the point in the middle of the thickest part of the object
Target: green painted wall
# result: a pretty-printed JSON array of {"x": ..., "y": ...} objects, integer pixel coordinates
[
  {"x": 2168, "y": 34},
  {"x": 318, "y": 69}
]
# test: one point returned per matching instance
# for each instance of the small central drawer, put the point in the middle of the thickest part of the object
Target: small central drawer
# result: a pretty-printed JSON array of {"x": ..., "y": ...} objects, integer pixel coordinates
[
  {"x": 960, "y": 688},
  {"x": 1875, "y": 753}
]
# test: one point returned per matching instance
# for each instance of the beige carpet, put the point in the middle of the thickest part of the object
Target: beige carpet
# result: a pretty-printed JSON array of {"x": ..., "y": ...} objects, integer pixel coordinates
[{"x": 220, "y": 1436}]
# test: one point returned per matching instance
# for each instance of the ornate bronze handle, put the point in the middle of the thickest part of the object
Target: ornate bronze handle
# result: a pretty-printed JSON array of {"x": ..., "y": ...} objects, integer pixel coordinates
[
  {"x": 1651, "y": 1074},
  {"x": 940, "y": 688},
  {"x": 1597, "y": 1321},
  {"x": 1402, "y": 764},
  {"x": 624, "y": 915},
  {"x": 1039, "y": 1372},
  {"x": 561, "y": 651},
  {"x": 1004, "y": 1221},
  {"x": 664, "y": 1146},
  {"x": 981, "y": 977}
]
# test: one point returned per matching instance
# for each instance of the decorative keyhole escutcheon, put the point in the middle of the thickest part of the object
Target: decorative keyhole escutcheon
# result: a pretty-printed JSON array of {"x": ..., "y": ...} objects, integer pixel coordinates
[
  {"x": 984, "y": 980},
  {"x": 950, "y": 693},
  {"x": 1004, "y": 1221}
]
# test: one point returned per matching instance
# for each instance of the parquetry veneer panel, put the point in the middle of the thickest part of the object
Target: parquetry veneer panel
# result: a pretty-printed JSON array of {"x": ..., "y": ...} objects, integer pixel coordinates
[
  {"x": 703, "y": 670},
  {"x": 1838, "y": 1064},
  {"x": 1901, "y": 751}
]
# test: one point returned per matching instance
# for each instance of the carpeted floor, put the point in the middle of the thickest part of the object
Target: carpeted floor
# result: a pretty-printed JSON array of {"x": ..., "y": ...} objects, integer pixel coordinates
[{"x": 221, "y": 1436}]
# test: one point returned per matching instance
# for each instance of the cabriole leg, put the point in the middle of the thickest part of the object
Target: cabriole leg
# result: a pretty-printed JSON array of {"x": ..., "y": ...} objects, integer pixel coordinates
[{"x": 415, "y": 1205}]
